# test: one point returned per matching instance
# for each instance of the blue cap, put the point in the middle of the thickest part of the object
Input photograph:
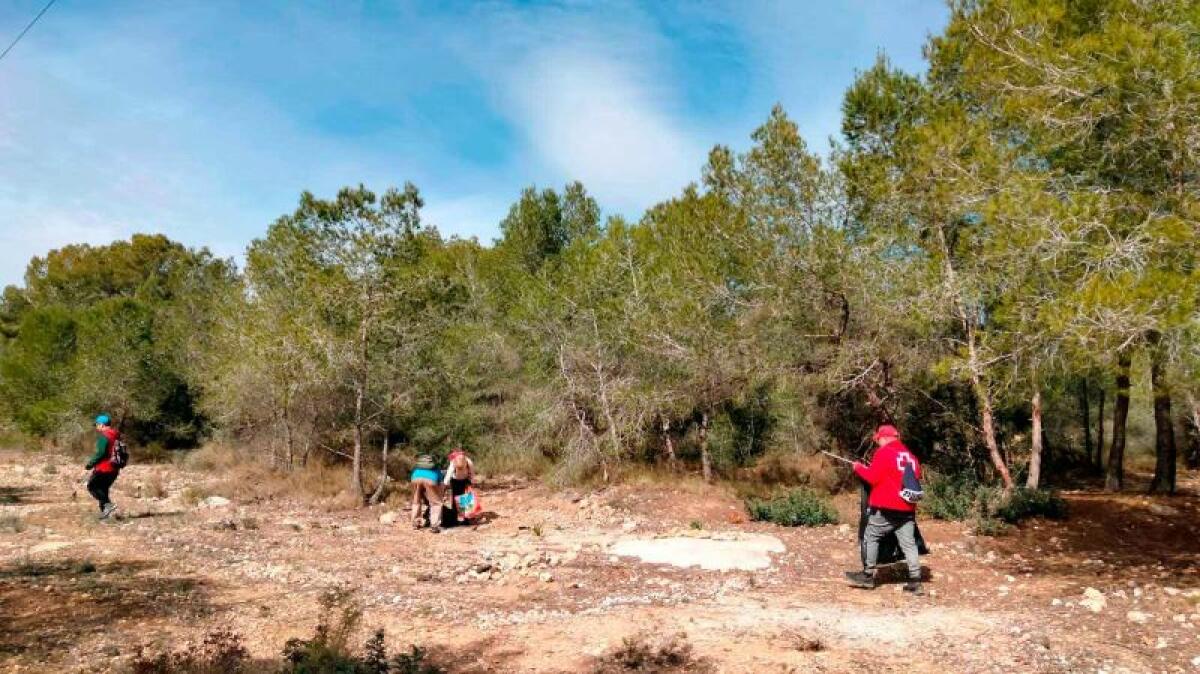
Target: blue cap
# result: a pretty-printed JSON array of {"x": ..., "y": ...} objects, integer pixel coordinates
[{"x": 103, "y": 419}]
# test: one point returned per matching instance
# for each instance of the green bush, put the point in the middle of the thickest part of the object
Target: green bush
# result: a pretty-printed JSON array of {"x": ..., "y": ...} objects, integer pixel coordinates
[
  {"x": 799, "y": 507},
  {"x": 955, "y": 497},
  {"x": 1023, "y": 503},
  {"x": 987, "y": 509}
]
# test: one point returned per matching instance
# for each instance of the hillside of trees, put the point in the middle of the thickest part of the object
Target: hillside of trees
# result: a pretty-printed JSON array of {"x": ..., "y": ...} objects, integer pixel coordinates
[{"x": 990, "y": 256}]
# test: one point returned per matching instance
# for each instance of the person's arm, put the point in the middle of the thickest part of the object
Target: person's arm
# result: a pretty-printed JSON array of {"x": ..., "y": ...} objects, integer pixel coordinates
[
  {"x": 449, "y": 474},
  {"x": 865, "y": 472},
  {"x": 471, "y": 471},
  {"x": 101, "y": 451}
]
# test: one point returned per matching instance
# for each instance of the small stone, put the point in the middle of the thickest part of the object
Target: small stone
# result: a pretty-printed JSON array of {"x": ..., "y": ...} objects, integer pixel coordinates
[
  {"x": 1138, "y": 617},
  {"x": 214, "y": 502},
  {"x": 546, "y": 577},
  {"x": 1010, "y": 579},
  {"x": 1056, "y": 602},
  {"x": 1093, "y": 600},
  {"x": 389, "y": 517}
]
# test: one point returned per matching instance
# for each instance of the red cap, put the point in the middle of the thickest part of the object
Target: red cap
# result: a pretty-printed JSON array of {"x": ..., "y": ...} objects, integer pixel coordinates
[{"x": 886, "y": 431}]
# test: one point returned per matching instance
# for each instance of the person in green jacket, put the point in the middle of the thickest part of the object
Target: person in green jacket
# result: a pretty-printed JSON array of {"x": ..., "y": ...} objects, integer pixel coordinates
[{"x": 104, "y": 470}]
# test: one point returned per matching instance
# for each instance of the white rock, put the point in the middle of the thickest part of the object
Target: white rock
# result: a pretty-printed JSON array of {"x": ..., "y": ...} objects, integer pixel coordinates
[
  {"x": 1171, "y": 591},
  {"x": 389, "y": 517},
  {"x": 1138, "y": 617},
  {"x": 214, "y": 502},
  {"x": 1093, "y": 600},
  {"x": 49, "y": 547},
  {"x": 546, "y": 577},
  {"x": 1009, "y": 579},
  {"x": 1164, "y": 510},
  {"x": 1056, "y": 602}
]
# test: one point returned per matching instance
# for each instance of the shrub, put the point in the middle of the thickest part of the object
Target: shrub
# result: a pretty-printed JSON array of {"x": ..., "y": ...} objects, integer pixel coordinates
[
  {"x": 635, "y": 654},
  {"x": 988, "y": 509},
  {"x": 1023, "y": 503},
  {"x": 12, "y": 523},
  {"x": 799, "y": 507},
  {"x": 221, "y": 652},
  {"x": 955, "y": 498},
  {"x": 194, "y": 494}
]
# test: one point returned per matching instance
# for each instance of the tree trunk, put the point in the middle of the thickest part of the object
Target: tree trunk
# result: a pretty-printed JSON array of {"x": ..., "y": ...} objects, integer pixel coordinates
[
  {"x": 360, "y": 394},
  {"x": 383, "y": 475},
  {"x": 966, "y": 317},
  {"x": 987, "y": 416},
  {"x": 1192, "y": 426},
  {"x": 1035, "y": 454},
  {"x": 1164, "y": 429},
  {"x": 288, "y": 439},
  {"x": 669, "y": 444},
  {"x": 1085, "y": 409},
  {"x": 1099, "y": 465},
  {"x": 705, "y": 459},
  {"x": 1114, "y": 479}
]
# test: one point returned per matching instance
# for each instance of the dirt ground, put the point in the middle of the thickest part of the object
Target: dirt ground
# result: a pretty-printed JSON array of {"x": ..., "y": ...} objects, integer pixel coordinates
[{"x": 1115, "y": 588}]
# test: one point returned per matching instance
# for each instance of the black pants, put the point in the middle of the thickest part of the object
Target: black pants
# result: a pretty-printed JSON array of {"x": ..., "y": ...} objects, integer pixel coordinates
[
  {"x": 99, "y": 484},
  {"x": 457, "y": 488}
]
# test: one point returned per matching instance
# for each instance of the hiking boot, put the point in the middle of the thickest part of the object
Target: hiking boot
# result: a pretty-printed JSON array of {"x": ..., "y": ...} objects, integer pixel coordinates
[
  {"x": 861, "y": 580},
  {"x": 913, "y": 587},
  {"x": 107, "y": 510},
  {"x": 435, "y": 530}
]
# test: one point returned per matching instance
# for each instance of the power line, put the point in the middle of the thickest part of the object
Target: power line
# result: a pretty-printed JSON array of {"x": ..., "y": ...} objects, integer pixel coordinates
[{"x": 35, "y": 20}]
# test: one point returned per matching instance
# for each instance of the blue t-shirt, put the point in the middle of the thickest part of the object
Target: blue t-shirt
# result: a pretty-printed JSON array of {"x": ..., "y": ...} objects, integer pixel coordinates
[{"x": 425, "y": 474}]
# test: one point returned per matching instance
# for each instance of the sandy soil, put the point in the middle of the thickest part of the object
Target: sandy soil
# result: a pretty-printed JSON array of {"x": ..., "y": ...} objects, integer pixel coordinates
[{"x": 538, "y": 587}]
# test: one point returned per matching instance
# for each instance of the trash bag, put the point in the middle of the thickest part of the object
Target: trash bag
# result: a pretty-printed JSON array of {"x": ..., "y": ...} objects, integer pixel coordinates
[{"x": 889, "y": 547}]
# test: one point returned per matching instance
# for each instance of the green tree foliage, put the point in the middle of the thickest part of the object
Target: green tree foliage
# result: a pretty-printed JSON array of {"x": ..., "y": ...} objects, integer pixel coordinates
[
  {"x": 110, "y": 328},
  {"x": 988, "y": 249}
]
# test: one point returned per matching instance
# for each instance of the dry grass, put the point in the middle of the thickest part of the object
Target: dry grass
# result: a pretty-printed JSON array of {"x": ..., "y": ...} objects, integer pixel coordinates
[
  {"x": 670, "y": 655},
  {"x": 154, "y": 486},
  {"x": 244, "y": 477}
]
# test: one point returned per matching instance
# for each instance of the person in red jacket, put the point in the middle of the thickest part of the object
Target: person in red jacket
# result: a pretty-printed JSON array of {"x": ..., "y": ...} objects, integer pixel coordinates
[
  {"x": 889, "y": 511},
  {"x": 104, "y": 473}
]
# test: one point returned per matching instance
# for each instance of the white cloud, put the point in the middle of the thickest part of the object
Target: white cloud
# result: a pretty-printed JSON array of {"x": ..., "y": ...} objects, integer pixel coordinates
[{"x": 598, "y": 120}]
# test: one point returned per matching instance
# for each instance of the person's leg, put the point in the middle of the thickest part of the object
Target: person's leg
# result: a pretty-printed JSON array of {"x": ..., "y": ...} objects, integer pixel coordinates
[
  {"x": 433, "y": 495},
  {"x": 878, "y": 526},
  {"x": 416, "y": 504},
  {"x": 93, "y": 487},
  {"x": 906, "y": 537}
]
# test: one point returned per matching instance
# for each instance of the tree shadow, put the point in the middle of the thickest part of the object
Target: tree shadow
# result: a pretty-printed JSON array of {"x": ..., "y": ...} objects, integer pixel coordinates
[
  {"x": 18, "y": 495},
  {"x": 1121, "y": 530},
  {"x": 48, "y": 607},
  {"x": 151, "y": 515}
]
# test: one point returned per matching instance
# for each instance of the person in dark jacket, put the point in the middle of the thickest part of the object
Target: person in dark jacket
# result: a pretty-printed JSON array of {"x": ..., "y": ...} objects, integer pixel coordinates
[
  {"x": 104, "y": 471},
  {"x": 890, "y": 512}
]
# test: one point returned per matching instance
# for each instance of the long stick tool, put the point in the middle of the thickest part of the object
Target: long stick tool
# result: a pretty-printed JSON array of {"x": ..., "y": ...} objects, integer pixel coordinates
[{"x": 839, "y": 458}]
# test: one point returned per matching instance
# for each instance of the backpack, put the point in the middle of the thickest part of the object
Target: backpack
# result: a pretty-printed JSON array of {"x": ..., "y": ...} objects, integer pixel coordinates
[
  {"x": 910, "y": 489},
  {"x": 120, "y": 454}
]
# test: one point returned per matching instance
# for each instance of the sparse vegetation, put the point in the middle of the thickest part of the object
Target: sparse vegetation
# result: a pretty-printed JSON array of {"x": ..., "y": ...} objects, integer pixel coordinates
[
  {"x": 14, "y": 524},
  {"x": 221, "y": 652},
  {"x": 194, "y": 494},
  {"x": 796, "y": 508},
  {"x": 671, "y": 655}
]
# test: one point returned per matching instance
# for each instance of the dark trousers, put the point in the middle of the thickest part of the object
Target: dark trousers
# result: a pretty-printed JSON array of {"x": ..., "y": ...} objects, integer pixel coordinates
[{"x": 99, "y": 484}]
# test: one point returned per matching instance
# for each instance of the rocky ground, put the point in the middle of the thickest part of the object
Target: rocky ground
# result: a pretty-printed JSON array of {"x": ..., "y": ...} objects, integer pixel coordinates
[{"x": 539, "y": 587}]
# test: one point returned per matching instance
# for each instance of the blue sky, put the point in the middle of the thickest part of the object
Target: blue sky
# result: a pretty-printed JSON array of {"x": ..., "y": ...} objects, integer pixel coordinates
[{"x": 205, "y": 120}]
